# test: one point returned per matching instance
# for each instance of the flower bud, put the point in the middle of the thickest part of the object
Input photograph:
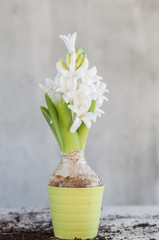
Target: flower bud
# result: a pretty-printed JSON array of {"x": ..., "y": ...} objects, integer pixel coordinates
[
  {"x": 62, "y": 63},
  {"x": 78, "y": 52},
  {"x": 68, "y": 59},
  {"x": 79, "y": 61},
  {"x": 84, "y": 57}
]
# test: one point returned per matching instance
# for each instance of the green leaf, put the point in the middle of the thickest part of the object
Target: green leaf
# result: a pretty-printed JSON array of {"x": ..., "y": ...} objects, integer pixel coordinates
[
  {"x": 83, "y": 130},
  {"x": 71, "y": 140},
  {"x": 55, "y": 119},
  {"x": 47, "y": 116}
]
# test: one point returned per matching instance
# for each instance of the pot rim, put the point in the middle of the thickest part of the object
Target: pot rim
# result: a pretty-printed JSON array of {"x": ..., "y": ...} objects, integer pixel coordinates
[{"x": 101, "y": 186}]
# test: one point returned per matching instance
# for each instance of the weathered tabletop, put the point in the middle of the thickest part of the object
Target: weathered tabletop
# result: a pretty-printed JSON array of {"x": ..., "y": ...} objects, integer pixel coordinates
[{"x": 116, "y": 223}]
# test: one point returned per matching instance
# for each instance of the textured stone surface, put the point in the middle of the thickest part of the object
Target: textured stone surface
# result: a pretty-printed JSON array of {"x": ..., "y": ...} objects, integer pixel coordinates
[
  {"x": 121, "y": 37},
  {"x": 117, "y": 223}
]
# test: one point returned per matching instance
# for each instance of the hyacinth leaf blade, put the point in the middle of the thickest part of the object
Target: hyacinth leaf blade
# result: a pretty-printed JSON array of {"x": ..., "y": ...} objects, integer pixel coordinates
[
  {"x": 47, "y": 116},
  {"x": 71, "y": 140},
  {"x": 55, "y": 119},
  {"x": 83, "y": 130}
]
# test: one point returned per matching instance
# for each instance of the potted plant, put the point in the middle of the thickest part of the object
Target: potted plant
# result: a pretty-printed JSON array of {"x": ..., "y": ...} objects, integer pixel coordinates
[{"x": 73, "y": 102}]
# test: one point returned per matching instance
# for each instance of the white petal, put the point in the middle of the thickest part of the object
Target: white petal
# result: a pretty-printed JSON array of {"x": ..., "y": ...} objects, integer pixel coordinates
[
  {"x": 73, "y": 108},
  {"x": 66, "y": 97},
  {"x": 72, "y": 41},
  {"x": 72, "y": 66},
  {"x": 59, "y": 90},
  {"x": 70, "y": 85},
  {"x": 48, "y": 83},
  {"x": 105, "y": 98},
  {"x": 100, "y": 111},
  {"x": 85, "y": 64},
  {"x": 77, "y": 122},
  {"x": 42, "y": 86},
  {"x": 92, "y": 116},
  {"x": 79, "y": 72},
  {"x": 83, "y": 109},
  {"x": 69, "y": 41},
  {"x": 98, "y": 114},
  {"x": 57, "y": 79},
  {"x": 86, "y": 121},
  {"x": 92, "y": 72},
  {"x": 73, "y": 62},
  {"x": 99, "y": 102},
  {"x": 89, "y": 101},
  {"x": 63, "y": 83}
]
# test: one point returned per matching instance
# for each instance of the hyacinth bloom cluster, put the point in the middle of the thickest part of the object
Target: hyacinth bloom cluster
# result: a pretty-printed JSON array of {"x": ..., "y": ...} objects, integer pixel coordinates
[{"x": 74, "y": 98}]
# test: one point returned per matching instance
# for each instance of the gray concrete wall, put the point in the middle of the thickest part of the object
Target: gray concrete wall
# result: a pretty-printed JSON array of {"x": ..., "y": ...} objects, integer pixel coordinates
[{"x": 122, "y": 39}]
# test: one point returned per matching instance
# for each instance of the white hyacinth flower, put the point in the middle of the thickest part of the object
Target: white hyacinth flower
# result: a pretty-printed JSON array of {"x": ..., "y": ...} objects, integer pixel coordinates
[
  {"x": 82, "y": 115},
  {"x": 50, "y": 87},
  {"x": 68, "y": 84},
  {"x": 77, "y": 85}
]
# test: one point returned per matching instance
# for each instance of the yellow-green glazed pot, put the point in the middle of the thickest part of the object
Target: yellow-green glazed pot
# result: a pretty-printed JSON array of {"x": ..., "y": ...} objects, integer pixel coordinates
[{"x": 75, "y": 212}]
